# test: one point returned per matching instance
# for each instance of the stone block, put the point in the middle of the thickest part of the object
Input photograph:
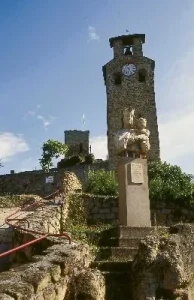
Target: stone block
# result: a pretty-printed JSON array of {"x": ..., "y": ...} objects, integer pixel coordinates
[
  {"x": 104, "y": 211},
  {"x": 166, "y": 211},
  {"x": 134, "y": 204},
  {"x": 95, "y": 210},
  {"x": 110, "y": 216},
  {"x": 114, "y": 210},
  {"x": 105, "y": 205}
]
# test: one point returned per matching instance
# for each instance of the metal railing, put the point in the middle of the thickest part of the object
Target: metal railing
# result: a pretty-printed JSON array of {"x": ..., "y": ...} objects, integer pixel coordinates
[{"x": 44, "y": 235}]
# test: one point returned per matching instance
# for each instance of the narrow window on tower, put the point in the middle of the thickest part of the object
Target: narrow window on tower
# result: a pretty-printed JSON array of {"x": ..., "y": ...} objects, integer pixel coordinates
[
  {"x": 128, "y": 50},
  {"x": 142, "y": 75},
  {"x": 117, "y": 78}
]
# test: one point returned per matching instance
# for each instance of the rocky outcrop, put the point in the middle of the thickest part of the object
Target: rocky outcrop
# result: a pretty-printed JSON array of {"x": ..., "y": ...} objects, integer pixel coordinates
[
  {"x": 71, "y": 183},
  {"x": 164, "y": 266},
  {"x": 56, "y": 274},
  {"x": 51, "y": 269}
]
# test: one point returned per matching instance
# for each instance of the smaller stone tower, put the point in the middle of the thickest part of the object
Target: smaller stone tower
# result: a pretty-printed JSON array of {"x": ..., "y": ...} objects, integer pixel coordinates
[{"x": 77, "y": 141}]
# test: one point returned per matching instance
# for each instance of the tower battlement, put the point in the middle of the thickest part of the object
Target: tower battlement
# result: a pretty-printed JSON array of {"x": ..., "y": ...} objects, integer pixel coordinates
[{"x": 77, "y": 142}]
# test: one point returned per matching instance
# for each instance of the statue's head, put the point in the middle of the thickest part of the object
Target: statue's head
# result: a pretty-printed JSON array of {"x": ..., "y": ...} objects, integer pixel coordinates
[{"x": 141, "y": 123}]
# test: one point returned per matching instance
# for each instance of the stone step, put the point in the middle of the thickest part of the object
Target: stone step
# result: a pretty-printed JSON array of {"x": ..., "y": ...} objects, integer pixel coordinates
[
  {"x": 120, "y": 242},
  {"x": 119, "y": 253},
  {"x": 118, "y": 285},
  {"x": 112, "y": 266},
  {"x": 132, "y": 232},
  {"x": 6, "y": 235}
]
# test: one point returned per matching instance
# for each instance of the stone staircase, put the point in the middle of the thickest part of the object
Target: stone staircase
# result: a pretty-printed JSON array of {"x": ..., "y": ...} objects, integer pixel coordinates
[{"x": 118, "y": 247}]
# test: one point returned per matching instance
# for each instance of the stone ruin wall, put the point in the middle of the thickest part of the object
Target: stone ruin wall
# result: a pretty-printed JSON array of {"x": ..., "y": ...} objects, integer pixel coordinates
[
  {"x": 33, "y": 182},
  {"x": 104, "y": 209},
  {"x": 52, "y": 268},
  {"x": 58, "y": 273}
]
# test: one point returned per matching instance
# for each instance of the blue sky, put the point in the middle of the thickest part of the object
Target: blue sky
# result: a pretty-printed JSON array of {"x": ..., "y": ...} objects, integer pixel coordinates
[{"x": 51, "y": 57}]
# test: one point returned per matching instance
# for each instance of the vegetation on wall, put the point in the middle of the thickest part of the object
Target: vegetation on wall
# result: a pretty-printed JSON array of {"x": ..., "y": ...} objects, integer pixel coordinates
[
  {"x": 101, "y": 182},
  {"x": 51, "y": 149},
  {"x": 76, "y": 160},
  {"x": 167, "y": 183},
  {"x": 76, "y": 223}
]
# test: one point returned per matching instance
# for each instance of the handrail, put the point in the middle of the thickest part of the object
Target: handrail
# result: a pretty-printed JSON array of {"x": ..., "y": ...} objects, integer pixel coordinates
[{"x": 43, "y": 234}]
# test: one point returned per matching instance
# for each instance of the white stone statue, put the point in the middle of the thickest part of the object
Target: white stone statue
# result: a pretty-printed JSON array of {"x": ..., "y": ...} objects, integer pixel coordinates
[{"x": 133, "y": 138}]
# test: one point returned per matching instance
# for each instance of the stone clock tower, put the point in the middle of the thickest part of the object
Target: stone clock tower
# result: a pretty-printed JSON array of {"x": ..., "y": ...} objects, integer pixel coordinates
[{"x": 129, "y": 80}]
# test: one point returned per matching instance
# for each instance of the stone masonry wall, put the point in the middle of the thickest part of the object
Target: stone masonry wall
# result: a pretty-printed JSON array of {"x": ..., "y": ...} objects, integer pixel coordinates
[
  {"x": 53, "y": 268},
  {"x": 33, "y": 182},
  {"x": 131, "y": 93},
  {"x": 75, "y": 138},
  {"x": 105, "y": 210}
]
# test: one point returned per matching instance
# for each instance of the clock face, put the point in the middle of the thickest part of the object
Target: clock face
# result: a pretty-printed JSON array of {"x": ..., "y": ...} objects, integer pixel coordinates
[{"x": 129, "y": 69}]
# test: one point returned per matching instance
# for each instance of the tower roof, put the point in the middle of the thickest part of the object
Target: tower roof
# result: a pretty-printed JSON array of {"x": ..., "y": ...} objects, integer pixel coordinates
[{"x": 127, "y": 39}]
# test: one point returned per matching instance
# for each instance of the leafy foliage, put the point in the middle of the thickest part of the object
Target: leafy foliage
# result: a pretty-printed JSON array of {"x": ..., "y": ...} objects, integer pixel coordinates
[
  {"x": 1, "y": 166},
  {"x": 51, "y": 149},
  {"x": 101, "y": 182},
  {"x": 69, "y": 162},
  {"x": 76, "y": 223},
  {"x": 168, "y": 183},
  {"x": 89, "y": 159},
  {"x": 77, "y": 160}
]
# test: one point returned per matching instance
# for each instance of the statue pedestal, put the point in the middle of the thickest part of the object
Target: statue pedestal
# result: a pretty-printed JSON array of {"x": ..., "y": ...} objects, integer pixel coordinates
[{"x": 134, "y": 204}]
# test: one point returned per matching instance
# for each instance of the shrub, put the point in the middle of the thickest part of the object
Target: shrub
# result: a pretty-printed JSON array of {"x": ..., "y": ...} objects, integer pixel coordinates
[
  {"x": 89, "y": 159},
  {"x": 101, "y": 182},
  {"x": 168, "y": 183},
  {"x": 72, "y": 161}
]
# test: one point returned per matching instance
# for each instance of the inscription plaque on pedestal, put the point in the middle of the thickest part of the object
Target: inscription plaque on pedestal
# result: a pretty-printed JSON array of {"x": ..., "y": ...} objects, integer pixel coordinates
[
  {"x": 136, "y": 173},
  {"x": 134, "y": 204}
]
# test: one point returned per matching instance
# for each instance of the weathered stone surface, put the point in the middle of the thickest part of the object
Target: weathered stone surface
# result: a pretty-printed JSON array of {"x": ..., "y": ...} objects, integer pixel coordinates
[
  {"x": 165, "y": 263},
  {"x": 33, "y": 182},
  {"x": 5, "y": 297},
  {"x": 130, "y": 93},
  {"x": 49, "y": 276},
  {"x": 75, "y": 138},
  {"x": 134, "y": 203},
  {"x": 90, "y": 284}
]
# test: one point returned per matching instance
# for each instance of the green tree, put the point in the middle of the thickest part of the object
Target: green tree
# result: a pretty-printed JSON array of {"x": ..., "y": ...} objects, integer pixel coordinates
[
  {"x": 168, "y": 183},
  {"x": 1, "y": 164},
  {"x": 51, "y": 149}
]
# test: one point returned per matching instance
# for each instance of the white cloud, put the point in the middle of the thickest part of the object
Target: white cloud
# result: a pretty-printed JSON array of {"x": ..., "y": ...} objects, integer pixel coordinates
[
  {"x": 92, "y": 33},
  {"x": 99, "y": 147},
  {"x": 28, "y": 164},
  {"x": 11, "y": 144},
  {"x": 40, "y": 117},
  {"x": 46, "y": 123},
  {"x": 176, "y": 126},
  {"x": 177, "y": 137},
  {"x": 30, "y": 113}
]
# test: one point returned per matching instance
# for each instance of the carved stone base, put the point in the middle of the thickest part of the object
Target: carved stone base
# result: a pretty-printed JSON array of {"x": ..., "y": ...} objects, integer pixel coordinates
[{"x": 134, "y": 204}]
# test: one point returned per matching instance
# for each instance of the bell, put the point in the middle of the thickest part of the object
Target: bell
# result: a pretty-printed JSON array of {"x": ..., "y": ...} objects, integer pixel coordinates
[{"x": 128, "y": 51}]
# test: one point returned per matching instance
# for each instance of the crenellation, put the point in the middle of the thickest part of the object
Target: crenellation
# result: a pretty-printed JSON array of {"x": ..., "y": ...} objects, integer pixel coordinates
[{"x": 77, "y": 142}]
